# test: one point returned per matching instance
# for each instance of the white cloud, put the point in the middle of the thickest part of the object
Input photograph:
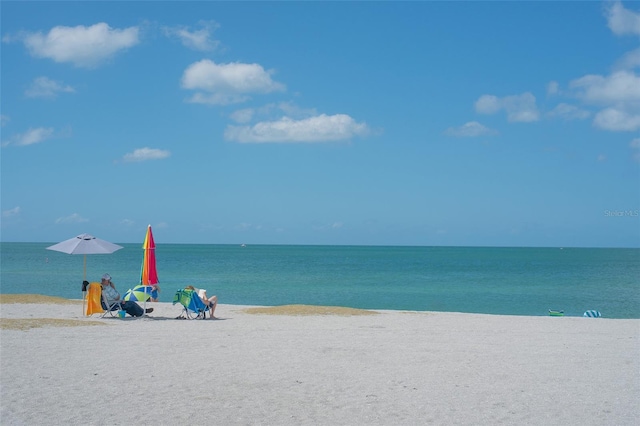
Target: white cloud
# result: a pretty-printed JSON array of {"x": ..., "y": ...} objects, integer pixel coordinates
[
  {"x": 470, "y": 129},
  {"x": 82, "y": 46},
  {"x": 223, "y": 84},
  {"x": 243, "y": 115},
  {"x": 244, "y": 226},
  {"x": 569, "y": 112},
  {"x": 44, "y": 87},
  {"x": 617, "y": 120},
  {"x": 488, "y": 104},
  {"x": 602, "y": 158},
  {"x": 553, "y": 88},
  {"x": 217, "y": 98},
  {"x": 321, "y": 128},
  {"x": 4, "y": 119},
  {"x": 629, "y": 61},
  {"x": 519, "y": 108},
  {"x": 618, "y": 93},
  {"x": 621, "y": 20},
  {"x": 621, "y": 86},
  {"x": 11, "y": 212},
  {"x": 30, "y": 137},
  {"x": 74, "y": 218},
  {"x": 273, "y": 111},
  {"x": 145, "y": 154},
  {"x": 195, "y": 39},
  {"x": 328, "y": 226}
]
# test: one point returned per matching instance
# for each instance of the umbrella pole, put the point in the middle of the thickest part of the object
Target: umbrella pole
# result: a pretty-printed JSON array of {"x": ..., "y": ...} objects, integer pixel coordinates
[{"x": 84, "y": 293}]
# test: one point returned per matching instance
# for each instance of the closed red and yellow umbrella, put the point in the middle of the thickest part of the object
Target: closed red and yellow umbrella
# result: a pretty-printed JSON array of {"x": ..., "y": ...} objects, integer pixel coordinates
[{"x": 149, "y": 274}]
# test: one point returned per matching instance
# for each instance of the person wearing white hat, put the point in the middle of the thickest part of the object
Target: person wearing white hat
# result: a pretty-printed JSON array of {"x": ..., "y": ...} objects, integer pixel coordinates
[{"x": 112, "y": 295}]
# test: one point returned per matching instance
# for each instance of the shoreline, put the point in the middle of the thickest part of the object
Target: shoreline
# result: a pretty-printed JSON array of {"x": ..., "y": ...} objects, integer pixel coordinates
[
  {"x": 392, "y": 367},
  {"x": 27, "y": 298}
]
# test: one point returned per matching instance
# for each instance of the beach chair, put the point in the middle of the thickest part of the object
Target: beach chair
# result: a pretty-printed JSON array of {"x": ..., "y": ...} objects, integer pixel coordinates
[
  {"x": 110, "y": 308},
  {"x": 192, "y": 306}
]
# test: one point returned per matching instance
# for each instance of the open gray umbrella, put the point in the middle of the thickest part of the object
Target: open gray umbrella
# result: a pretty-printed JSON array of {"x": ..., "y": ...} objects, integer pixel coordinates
[{"x": 85, "y": 244}]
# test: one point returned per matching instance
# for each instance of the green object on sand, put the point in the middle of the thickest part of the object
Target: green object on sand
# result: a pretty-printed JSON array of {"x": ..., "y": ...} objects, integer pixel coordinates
[{"x": 556, "y": 313}]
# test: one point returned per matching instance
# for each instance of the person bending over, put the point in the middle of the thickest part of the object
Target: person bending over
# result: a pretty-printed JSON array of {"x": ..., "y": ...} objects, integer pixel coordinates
[{"x": 112, "y": 296}]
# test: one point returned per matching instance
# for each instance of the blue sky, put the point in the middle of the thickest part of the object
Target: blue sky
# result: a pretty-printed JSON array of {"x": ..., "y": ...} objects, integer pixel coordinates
[{"x": 418, "y": 123}]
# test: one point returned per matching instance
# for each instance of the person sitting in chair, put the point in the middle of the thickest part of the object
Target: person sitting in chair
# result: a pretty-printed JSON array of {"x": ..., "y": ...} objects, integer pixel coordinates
[
  {"x": 211, "y": 302},
  {"x": 112, "y": 295}
]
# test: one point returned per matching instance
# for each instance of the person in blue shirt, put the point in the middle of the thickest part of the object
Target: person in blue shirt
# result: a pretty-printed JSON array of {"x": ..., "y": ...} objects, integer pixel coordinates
[{"x": 155, "y": 289}]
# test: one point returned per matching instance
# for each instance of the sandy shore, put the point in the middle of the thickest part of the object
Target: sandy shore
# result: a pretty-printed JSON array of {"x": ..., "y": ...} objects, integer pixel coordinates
[{"x": 388, "y": 368}]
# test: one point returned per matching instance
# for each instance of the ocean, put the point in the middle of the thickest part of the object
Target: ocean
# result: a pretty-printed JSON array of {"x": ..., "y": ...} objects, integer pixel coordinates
[{"x": 503, "y": 281}]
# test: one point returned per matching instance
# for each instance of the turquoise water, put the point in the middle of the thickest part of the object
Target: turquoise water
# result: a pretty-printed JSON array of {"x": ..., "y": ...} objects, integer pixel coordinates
[{"x": 514, "y": 281}]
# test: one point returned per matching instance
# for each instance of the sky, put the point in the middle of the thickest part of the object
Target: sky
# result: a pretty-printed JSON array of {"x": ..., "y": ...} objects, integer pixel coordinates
[{"x": 360, "y": 123}]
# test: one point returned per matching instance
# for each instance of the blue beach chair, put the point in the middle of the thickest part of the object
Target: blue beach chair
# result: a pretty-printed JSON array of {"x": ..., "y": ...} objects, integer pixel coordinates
[{"x": 192, "y": 306}]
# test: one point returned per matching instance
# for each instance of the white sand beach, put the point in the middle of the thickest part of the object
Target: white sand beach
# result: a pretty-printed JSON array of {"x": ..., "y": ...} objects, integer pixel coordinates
[{"x": 387, "y": 368}]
